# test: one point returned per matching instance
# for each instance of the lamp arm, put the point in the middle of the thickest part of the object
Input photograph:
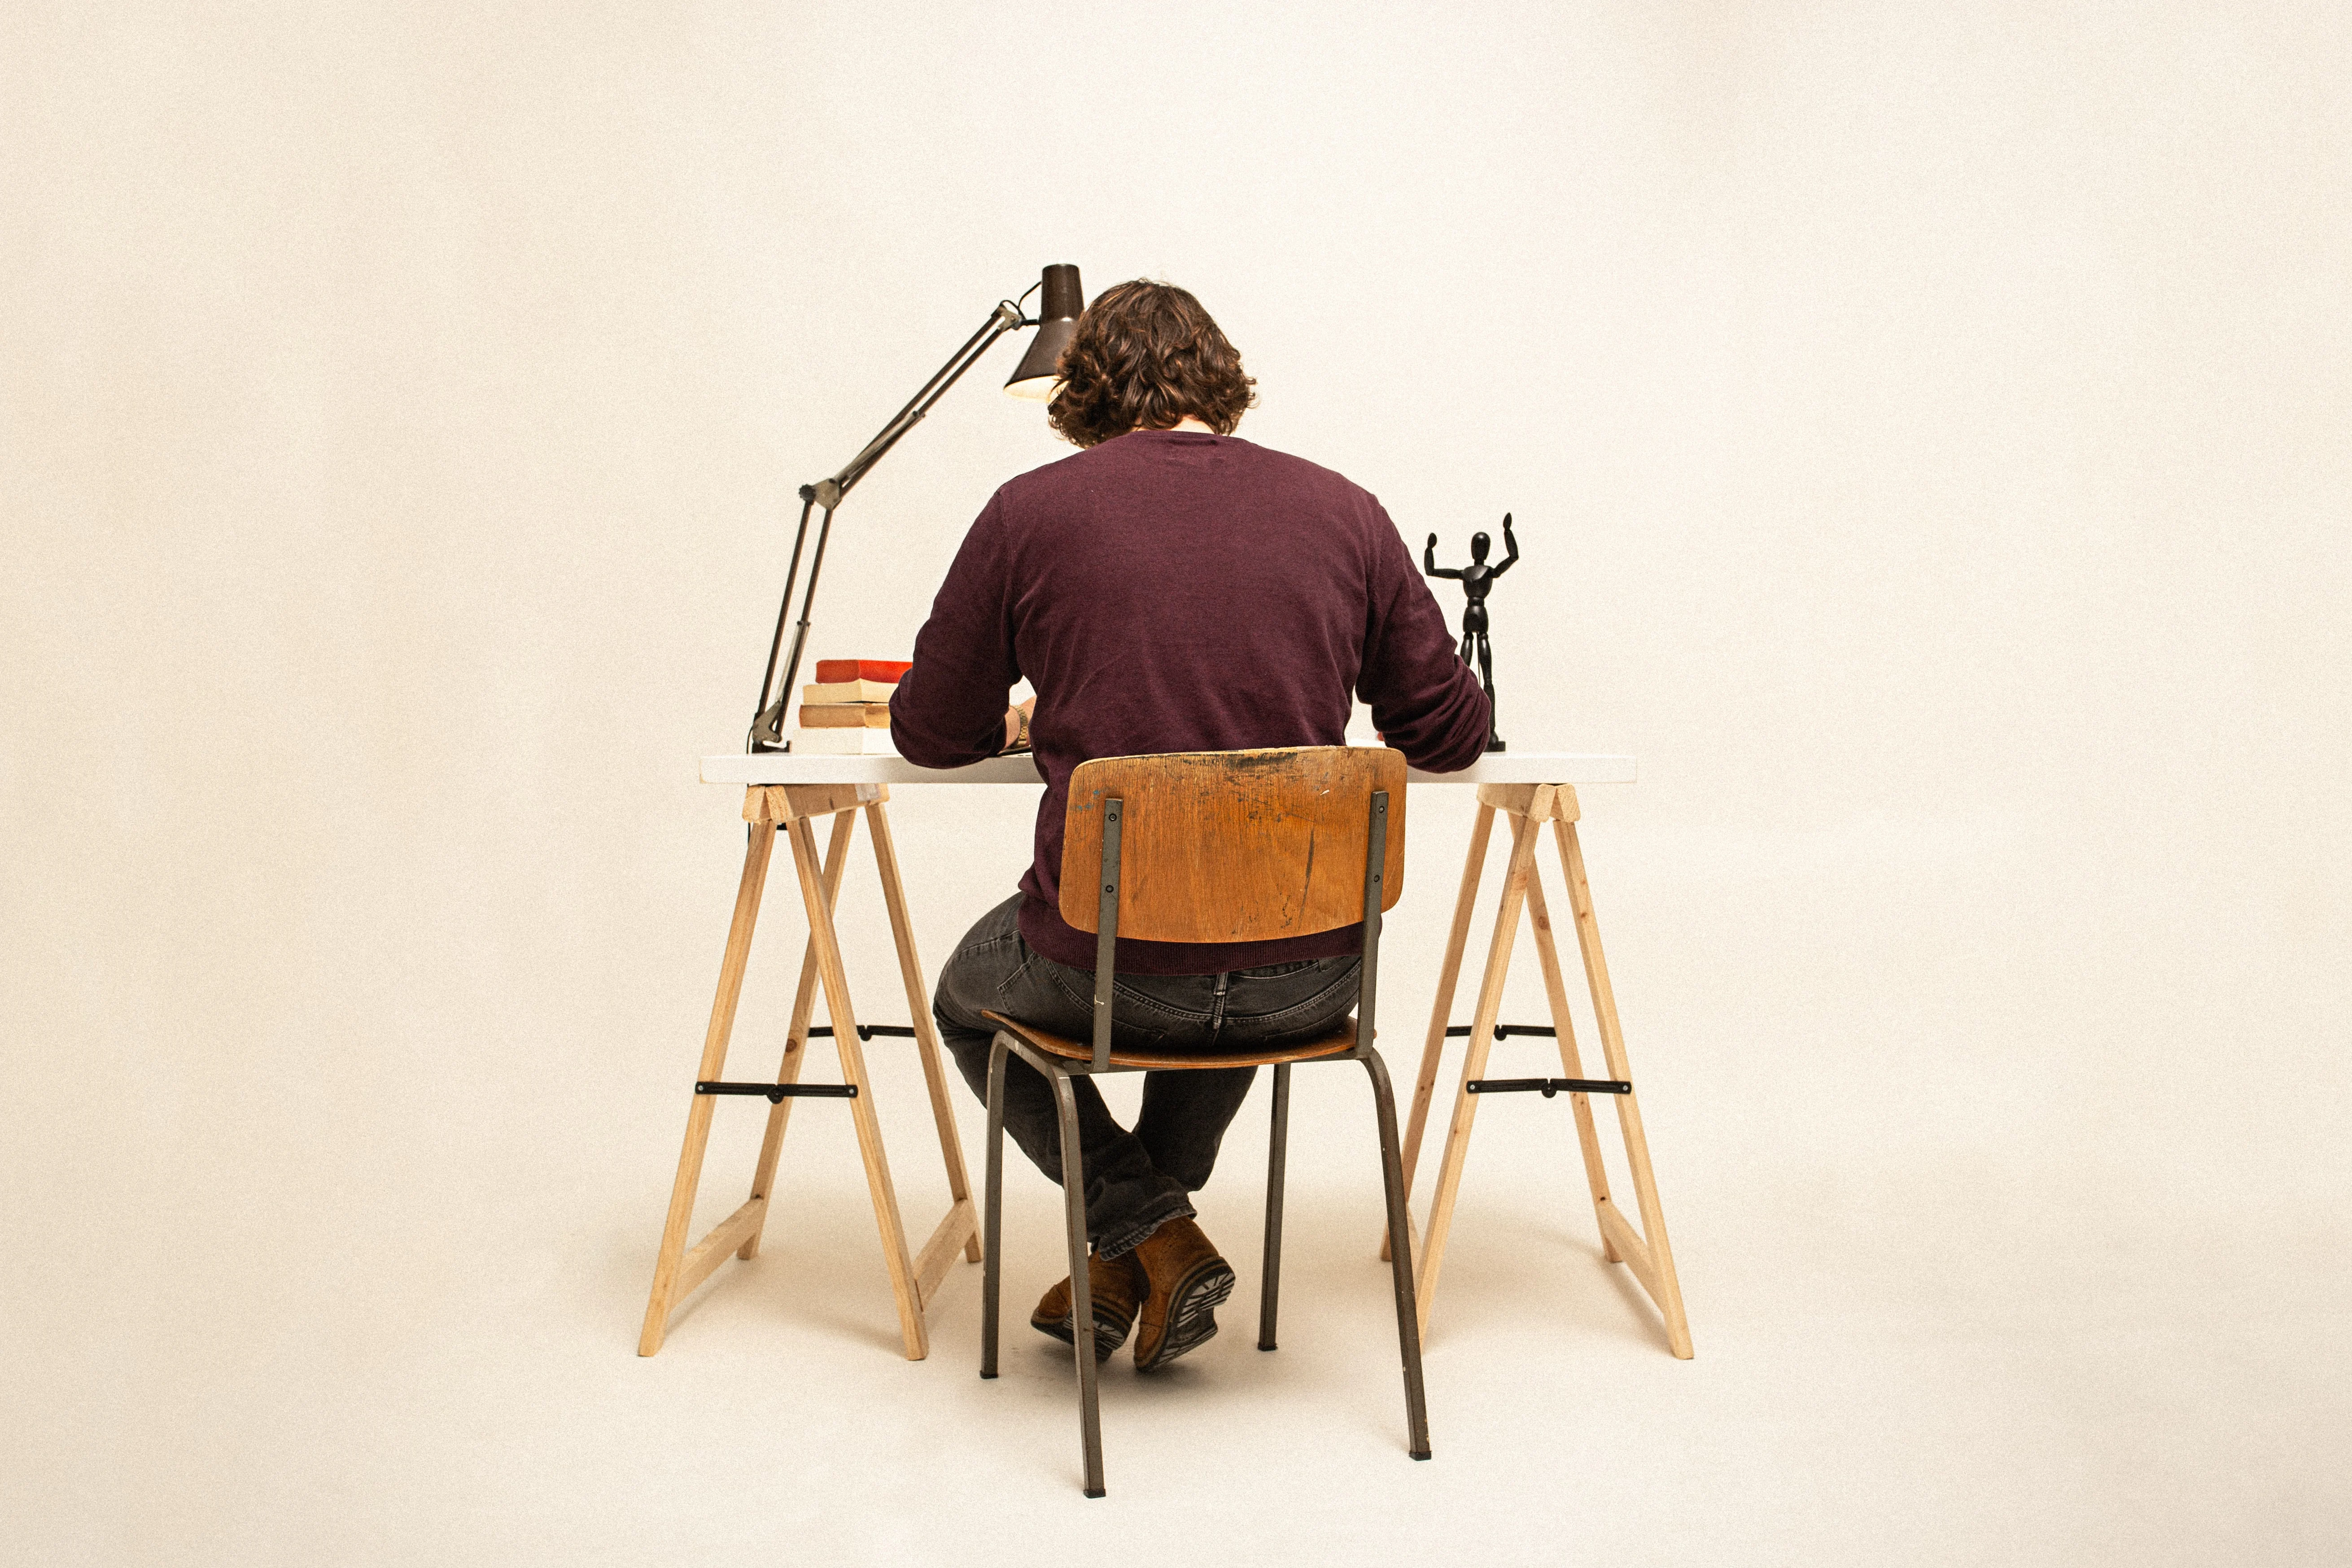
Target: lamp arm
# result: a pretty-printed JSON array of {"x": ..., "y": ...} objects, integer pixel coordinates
[
  {"x": 1006, "y": 318},
  {"x": 768, "y": 718},
  {"x": 762, "y": 715}
]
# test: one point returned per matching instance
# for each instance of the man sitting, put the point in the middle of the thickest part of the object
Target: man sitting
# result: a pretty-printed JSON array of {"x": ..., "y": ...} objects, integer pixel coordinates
[{"x": 1170, "y": 588}]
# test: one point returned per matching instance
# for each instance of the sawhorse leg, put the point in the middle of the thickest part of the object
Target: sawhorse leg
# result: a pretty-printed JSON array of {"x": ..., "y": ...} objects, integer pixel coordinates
[
  {"x": 1648, "y": 1255},
  {"x": 1474, "y": 1063},
  {"x": 931, "y": 1263},
  {"x": 1646, "y": 1252},
  {"x": 789, "y": 810},
  {"x": 676, "y": 1270},
  {"x": 1433, "y": 1048},
  {"x": 796, "y": 1034}
]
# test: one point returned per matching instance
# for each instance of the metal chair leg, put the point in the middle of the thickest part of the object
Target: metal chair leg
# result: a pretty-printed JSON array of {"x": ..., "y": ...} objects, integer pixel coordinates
[
  {"x": 1082, "y": 1305},
  {"x": 1277, "y": 1145},
  {"x": 992, "y": 1210},
  {"x": 1417, "y": 1408}
]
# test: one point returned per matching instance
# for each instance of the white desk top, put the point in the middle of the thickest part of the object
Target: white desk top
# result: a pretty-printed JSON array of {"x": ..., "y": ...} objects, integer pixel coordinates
[{"x": 783, "y": 768}]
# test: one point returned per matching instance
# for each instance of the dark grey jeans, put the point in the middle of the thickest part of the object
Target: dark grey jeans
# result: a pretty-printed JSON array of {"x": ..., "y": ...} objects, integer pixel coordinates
[{"x": 1134, "y": 1180}]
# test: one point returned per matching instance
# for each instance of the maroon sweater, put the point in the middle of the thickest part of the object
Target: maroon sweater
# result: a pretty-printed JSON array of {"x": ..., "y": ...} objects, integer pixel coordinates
[{"x": 1174, "y": 591}]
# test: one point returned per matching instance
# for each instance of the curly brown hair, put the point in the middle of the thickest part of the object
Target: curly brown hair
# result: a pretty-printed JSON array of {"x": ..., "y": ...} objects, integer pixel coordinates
[{"x": 1144, "y": 356}]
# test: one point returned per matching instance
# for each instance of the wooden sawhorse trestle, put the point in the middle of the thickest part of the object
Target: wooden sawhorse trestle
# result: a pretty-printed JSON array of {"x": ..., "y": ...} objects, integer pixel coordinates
[
  {"x": 1644, "y": 1251},
  {"x": 792, "y": 810}
]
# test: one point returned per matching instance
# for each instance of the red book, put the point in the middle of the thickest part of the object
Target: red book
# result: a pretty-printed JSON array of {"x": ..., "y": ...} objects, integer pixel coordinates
[{"x": 889, "y": 669}]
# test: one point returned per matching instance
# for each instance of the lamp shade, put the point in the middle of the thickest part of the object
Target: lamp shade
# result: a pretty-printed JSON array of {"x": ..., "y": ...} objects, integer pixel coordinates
[{"x": 1057, "y": 324}]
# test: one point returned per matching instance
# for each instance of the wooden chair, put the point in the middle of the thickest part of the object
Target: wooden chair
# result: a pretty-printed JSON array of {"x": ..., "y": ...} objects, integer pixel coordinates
[{"x": 1216, "y": 847}]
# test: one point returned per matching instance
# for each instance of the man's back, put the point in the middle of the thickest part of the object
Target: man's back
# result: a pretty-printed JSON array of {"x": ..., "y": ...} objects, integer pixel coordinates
[
  {"x": 1169, "y": 589},
  {"x": 1176, "y": 591}
]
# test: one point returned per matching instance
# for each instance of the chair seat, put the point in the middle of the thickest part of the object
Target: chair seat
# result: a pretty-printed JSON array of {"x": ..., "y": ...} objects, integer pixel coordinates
[{"x": 1338, "y": 1041}]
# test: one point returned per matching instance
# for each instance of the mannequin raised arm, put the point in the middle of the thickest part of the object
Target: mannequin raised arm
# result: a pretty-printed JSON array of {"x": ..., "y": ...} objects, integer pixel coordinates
[{"x": 1510, "y": 543}]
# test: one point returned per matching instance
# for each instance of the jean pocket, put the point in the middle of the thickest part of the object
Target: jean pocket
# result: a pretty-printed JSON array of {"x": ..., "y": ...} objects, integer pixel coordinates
[
  {"x": 1063, "y": 999},
  {"x": 1004, "y": 986},
  {"x": 1290, "y": 1012}
]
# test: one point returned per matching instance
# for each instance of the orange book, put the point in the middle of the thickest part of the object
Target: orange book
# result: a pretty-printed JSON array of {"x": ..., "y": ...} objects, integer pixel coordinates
[{"x": 831, "y": 669}]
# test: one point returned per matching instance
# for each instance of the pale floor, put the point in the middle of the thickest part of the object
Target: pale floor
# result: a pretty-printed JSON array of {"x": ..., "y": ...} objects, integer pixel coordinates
[{"x": 1905, "y": 1359}]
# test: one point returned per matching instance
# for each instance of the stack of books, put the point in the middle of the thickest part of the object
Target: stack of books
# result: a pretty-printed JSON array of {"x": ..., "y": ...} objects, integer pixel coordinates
[{"x": 847, "y": 713}]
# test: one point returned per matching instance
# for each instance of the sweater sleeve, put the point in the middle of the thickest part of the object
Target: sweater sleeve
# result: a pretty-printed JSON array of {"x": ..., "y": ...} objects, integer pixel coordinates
[
  {"x": 1426, "y": 700},
  {"x": 950, "y": 706}
]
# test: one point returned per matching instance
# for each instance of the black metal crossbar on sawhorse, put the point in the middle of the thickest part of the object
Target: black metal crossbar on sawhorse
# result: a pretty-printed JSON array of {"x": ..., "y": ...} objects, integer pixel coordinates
[
  {"x": 775, "y": 1092},
  {"x": 1547, "y": 1086}
]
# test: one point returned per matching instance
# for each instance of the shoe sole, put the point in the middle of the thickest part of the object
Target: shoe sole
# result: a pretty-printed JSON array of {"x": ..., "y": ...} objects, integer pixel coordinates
[
  {"x": 1108, "y": 1336},
  {"x": 1192, "y": 1311}
]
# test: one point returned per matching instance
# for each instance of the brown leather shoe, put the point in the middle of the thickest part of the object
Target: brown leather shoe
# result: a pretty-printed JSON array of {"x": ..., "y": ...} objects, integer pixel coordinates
[
  {"x": 1114, "y": 1288},
  {"x": 1188, "y": 1281}
]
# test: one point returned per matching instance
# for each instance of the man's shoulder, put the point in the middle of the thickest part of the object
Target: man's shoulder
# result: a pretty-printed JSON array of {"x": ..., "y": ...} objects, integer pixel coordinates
[
  {"x": 1099, "y": 466},
  {"x": 1047, "y": 479},
  {"x": 1302, "y": 471}
]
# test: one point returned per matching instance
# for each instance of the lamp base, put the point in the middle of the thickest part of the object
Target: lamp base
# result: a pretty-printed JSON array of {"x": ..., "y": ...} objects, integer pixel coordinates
[{"x": 768, "y": 731}]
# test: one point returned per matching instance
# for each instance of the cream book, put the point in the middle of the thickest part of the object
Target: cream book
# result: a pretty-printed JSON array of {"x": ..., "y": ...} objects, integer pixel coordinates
[
  {"x": 844, "y": 744},
  {"x": 849, "y": 691},
  {"x": 844, "y": 716}
]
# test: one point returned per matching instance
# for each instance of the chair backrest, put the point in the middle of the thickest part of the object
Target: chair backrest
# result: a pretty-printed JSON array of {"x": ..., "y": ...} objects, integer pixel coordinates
[{"x": 1234, "y": 845}]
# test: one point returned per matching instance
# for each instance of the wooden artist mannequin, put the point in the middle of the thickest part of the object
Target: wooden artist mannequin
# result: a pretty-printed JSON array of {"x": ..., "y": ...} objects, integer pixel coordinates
[{"x": 1476, "y": 580}]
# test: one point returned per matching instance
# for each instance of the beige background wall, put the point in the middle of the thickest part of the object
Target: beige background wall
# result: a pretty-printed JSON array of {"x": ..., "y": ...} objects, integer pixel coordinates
[{"x": 1927, "y": 430}]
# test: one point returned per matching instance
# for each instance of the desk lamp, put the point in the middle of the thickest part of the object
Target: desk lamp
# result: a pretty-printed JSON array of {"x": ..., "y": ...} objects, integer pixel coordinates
[{"x": 1056, "y": 322}]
